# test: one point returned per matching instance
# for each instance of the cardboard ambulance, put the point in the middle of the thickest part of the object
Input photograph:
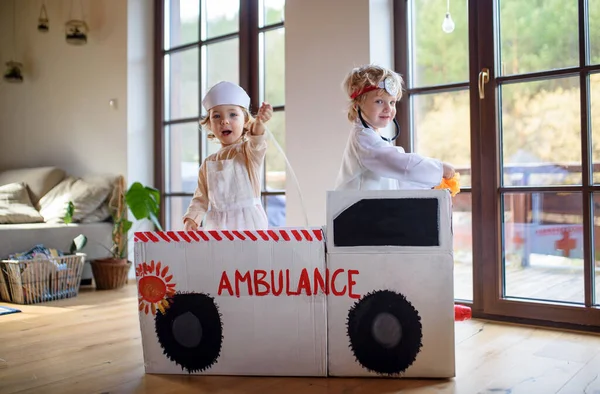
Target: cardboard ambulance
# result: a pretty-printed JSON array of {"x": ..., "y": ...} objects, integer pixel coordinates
[{"x": 369, "y": 294}]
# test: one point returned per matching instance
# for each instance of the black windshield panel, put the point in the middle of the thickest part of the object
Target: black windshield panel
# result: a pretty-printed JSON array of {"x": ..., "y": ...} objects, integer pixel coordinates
[{"x": 389, "y": 222}]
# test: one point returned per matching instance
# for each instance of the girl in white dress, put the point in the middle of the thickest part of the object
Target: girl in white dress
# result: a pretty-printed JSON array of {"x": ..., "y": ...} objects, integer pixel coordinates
[
  {"x": 371, "y": 161},
  {"x": 227, "y": 196}
]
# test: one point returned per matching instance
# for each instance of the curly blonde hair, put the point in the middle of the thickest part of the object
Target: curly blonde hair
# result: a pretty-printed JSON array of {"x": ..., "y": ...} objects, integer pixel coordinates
[
  {"x": 248, "y": 121},
  {"x": 361, "y": 77}
]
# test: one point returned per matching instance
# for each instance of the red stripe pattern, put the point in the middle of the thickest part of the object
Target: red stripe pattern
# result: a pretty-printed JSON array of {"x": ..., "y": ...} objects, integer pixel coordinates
[{"x": 279, "y": 235}]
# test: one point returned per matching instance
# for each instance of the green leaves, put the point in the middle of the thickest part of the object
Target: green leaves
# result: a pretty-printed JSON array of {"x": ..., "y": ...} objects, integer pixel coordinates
[
  {"x": 68, "y": 218},
  {"x": 126, "y": 225},
  {"x": 144, "y": 203},
  {"x": 121, "y": 228},
  {"x": 78, "y": 243}
]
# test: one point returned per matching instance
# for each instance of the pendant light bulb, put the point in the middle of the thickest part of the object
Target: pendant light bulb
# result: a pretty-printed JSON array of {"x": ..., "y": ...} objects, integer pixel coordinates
[{"x": 448, "y": 24}]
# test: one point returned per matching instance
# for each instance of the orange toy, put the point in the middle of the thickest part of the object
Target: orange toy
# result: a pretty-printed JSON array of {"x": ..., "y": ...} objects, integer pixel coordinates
[{"x": 452, "y": 184}]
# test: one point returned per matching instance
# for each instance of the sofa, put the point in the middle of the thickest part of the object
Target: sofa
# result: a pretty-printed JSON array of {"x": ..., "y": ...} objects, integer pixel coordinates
[{"x": 33, "y": 205}]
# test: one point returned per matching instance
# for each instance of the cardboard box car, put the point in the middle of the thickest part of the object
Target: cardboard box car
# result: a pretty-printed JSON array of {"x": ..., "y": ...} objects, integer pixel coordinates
[{"x": 232, "y": 303}]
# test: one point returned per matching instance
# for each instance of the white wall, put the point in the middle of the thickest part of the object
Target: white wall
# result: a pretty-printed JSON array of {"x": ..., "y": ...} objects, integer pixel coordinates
[
  {"x": 60, "y": 115},
  {"x": 140, "y": 92},
  {"x": 381, "y": 32},
  {"x": 325, "y": 39},
  {"x": 140, "y": 101}
]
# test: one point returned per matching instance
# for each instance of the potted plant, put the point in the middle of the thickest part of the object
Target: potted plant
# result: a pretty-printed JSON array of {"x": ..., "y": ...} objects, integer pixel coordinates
[
  {"x": 144, "y": 203},
  {"x": 13, "y": 72}
]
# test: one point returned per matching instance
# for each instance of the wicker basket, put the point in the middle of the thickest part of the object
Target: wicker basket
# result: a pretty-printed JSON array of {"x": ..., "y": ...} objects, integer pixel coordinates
[
  {"x": 110, "y": 273},
  {"x": 40, "y": 280}
]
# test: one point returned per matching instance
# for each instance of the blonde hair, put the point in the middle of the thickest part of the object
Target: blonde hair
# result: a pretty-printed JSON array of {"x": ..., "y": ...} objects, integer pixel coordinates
[
  {"x": 248, "y": 120},
  {"x": 362, "y": 77}
]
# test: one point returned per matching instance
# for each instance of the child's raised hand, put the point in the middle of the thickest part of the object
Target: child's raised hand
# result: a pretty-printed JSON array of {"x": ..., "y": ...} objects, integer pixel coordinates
[
  {"x": 448, "y": 171},
  {"x": 264, "y": 113},
  {"x": 263, "y": 116}
]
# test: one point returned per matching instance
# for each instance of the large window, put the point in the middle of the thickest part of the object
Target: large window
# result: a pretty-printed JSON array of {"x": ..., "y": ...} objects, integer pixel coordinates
[
  {"x": 199, "y": 43},
  {"x": 509, "y": 95}
]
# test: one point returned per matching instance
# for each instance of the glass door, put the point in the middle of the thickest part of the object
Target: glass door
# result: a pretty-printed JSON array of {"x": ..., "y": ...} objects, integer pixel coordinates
[
  {"x": 537, "y": 79},
  {"x": 509, "y": 91}
]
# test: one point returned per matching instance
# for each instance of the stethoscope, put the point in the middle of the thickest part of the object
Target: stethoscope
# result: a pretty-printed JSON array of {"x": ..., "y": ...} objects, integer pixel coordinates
[{"x": 385, "y": 139}]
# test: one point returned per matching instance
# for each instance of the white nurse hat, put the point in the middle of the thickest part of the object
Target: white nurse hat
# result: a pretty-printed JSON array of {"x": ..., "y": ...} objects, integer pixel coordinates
[{"x": 226, "y": 93}]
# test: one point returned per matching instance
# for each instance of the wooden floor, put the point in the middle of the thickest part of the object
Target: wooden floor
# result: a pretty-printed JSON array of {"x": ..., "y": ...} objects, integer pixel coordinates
[{"x": 91, "y": 344}]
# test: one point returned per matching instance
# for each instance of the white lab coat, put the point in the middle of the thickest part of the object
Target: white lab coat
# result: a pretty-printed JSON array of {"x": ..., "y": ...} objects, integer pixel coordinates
[{"x": 370, "y": 163}]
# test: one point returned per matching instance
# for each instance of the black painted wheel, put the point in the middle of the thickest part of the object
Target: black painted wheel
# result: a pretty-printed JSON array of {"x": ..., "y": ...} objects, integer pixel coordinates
[
  {"x": 385, "y": 332},
  {"x": 191, "y": 332}
]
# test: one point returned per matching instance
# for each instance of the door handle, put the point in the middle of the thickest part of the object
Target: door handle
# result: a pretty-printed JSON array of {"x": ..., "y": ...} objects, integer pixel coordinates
[{"x": 484, "y": 77}]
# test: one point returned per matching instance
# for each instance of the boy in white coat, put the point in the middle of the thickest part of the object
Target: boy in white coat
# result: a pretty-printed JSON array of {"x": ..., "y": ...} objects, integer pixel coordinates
[{"x": 370, "y": 161}]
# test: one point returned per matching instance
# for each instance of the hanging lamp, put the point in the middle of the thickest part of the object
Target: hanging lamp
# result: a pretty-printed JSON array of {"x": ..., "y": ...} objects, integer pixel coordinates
[
  {"x": 76, "y": 30},
  {"x": 14, "y": 73},
  {"x": 43, "y": 25}
]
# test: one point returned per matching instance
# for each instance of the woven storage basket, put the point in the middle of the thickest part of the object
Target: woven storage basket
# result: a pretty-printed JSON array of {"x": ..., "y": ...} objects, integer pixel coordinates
[
  {"x": 40, "y": 280},
  {"x": 110, "y": 273}
]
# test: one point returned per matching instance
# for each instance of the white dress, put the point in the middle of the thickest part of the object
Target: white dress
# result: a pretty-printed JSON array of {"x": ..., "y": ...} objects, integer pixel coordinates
[
  {"x": 228, "y": 190},
  {"x": 370, "y": 163}
]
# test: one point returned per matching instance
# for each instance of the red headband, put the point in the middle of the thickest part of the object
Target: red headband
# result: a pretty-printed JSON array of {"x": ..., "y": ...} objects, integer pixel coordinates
[{"x": 364, "y": 90}]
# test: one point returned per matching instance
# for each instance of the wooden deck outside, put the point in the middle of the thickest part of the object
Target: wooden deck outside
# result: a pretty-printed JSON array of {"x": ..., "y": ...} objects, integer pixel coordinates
[{"x": 538, "y": 281}]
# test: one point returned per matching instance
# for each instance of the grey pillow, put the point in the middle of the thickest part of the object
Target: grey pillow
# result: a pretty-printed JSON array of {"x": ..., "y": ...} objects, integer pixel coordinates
[
  {"x": 39, "y": 180},
  {"x": 99, "y": 215},
  {"x": 16, "y": 206},
  {"x": 87, "y": 194}
]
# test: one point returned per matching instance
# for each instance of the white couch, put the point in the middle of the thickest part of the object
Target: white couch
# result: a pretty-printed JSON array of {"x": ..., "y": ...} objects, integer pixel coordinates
[{"x": 33, "y": 204}]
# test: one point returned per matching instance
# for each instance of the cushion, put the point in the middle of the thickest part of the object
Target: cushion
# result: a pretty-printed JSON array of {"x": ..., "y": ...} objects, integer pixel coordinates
[
  {"x": 16, "y": 206},
  {"x": 99, "y": 215},
  {"x": 87, "y": 194},
  {"x": 39, "y": 180}
]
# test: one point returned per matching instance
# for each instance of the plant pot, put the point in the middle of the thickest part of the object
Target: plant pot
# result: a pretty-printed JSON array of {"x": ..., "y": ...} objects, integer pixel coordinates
[
  {"x": 76, "y": 32},
  {"x": 110, "y": 273}
]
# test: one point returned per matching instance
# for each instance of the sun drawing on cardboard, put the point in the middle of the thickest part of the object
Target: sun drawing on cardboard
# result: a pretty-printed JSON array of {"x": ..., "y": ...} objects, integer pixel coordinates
[{"x": 154, "y": 287}]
